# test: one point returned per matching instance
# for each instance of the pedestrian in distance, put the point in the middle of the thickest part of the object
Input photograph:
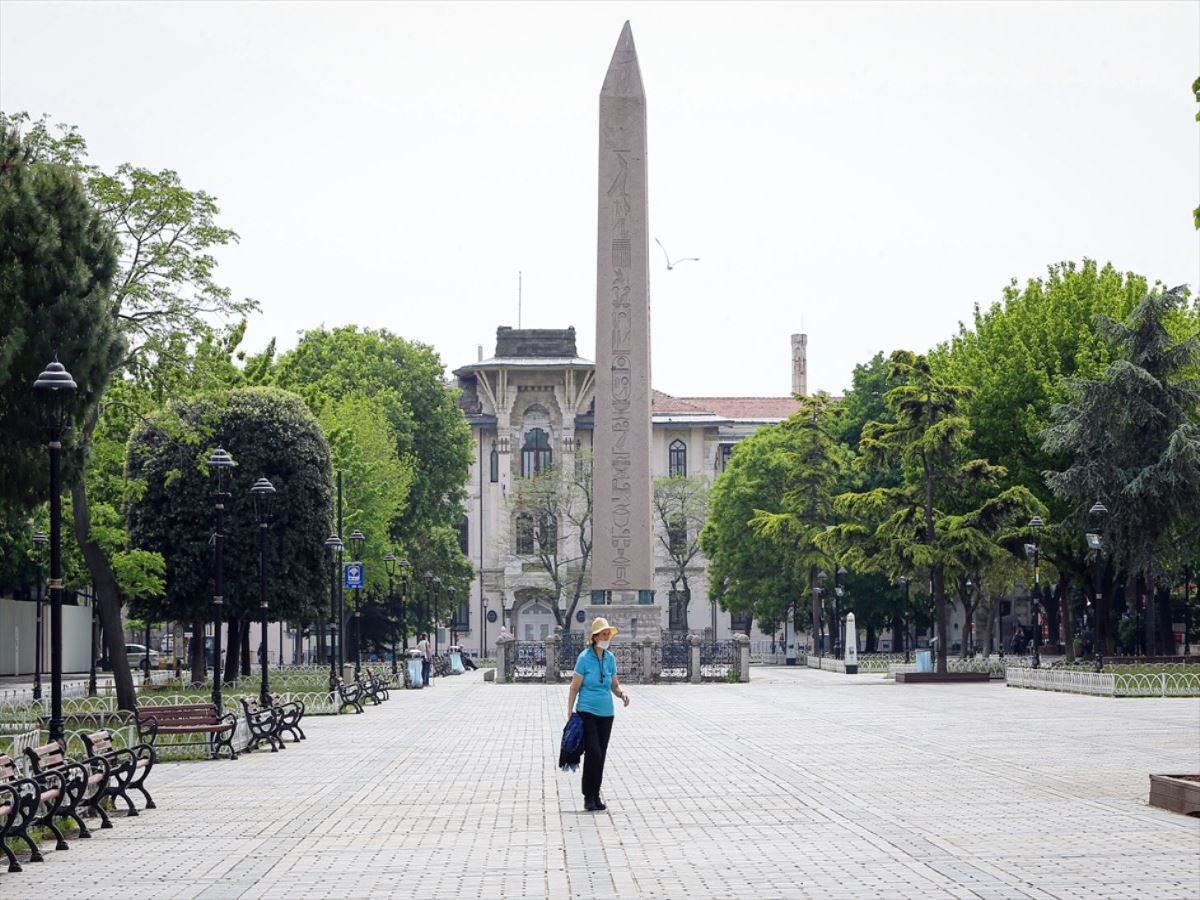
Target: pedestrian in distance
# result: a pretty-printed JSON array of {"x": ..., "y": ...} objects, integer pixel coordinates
[
  {"x": 426, "y": 658},
  {"x": 593, "y": 686}
]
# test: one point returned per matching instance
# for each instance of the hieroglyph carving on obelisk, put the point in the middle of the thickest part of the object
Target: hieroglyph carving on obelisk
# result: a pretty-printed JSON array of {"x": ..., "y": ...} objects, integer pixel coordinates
[{"x": 622, "y": 556}]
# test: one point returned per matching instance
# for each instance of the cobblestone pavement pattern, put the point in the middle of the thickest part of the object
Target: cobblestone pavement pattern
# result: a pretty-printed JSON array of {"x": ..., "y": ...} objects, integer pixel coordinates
[{"x": 800, "y": 784}]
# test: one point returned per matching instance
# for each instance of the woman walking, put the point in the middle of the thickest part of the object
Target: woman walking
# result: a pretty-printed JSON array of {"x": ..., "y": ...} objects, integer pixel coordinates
[{"x": 593, "y": 686}]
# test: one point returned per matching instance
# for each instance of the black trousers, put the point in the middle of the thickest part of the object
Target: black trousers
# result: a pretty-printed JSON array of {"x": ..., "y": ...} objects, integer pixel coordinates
[{"x": 596, "y": 730}]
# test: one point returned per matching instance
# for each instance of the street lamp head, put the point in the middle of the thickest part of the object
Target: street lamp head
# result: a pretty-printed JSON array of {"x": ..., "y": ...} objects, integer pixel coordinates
[
  {"x": 389, "y": 564},
  {"x": 428, "y": 575},
  {"x": 220, "y": 464},
  {"x": 1099, "y": 510},
  {"x": 262, "y": 492},
  {"x": 903, "y": 579},
  {"x": 55, "y": 386},
  {"x": 437, "y": 579},
  {"x": 333, "y": 543},
  {"x": 405, "y": 564},
  {"x": 357, "y": 541},
  {"x": 40, "y": 539},
  {"x": 1036, "y": 522},
  {"x": 841, "y": 570}
]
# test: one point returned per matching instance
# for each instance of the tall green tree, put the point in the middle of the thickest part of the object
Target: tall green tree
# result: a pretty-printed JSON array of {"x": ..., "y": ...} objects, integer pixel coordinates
[
  {"x": 1132, "y": 438},
  {"x": 747, "y": 574},
  {"x": 925, "y": 523},
  {"x": 165, "y": 288},
  {"x": 270, "y": 434},
  {"x": 1018, "y": 357},
  {"x": 405, "y": 382},
  {"x": 58, "y": 258}
]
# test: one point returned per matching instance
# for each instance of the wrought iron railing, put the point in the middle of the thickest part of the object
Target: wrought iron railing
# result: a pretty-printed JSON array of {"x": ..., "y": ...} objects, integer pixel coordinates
[
  {"x": 674, "y": 653},
  {"x": 528, "y": 660},
  {"x": 717, "y": 659}
]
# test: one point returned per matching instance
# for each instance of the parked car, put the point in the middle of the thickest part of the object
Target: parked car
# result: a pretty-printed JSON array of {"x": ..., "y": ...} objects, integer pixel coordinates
[{"x": 136, "y": 654}]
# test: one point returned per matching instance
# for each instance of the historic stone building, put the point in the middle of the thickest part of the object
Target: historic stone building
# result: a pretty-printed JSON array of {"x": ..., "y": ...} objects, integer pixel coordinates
[{"x": 530, "y": 408}]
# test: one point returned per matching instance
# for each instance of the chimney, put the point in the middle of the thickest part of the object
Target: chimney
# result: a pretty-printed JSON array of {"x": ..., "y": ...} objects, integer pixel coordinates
[
  {"x": 800, "y": 364},
  {"x": 479, "y": 352}
]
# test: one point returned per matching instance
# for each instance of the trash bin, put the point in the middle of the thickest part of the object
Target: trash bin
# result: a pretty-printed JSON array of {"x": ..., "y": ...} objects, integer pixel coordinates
[
  {"x": 924, "y": 660},
  {"x": 416, "y": 678},
  {"x": 456, "y": 663}
]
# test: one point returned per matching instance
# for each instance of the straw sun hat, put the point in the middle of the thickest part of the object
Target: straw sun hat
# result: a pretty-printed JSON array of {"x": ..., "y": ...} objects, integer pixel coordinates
[{"x": 600, "y": 624}]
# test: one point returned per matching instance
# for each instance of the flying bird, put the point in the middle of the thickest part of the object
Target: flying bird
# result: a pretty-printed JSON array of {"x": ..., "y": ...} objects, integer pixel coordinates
[{"x": 671, "y": 265}]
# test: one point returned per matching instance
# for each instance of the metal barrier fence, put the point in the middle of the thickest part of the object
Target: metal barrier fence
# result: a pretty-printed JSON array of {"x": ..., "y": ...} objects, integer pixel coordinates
[{"x": 1162, "y": 684}]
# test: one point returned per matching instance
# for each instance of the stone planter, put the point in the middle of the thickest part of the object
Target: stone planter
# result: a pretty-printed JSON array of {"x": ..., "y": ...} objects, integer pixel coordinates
[
  {"x": 935, "y": 678},
  {"x": 1177, "y": 793}
]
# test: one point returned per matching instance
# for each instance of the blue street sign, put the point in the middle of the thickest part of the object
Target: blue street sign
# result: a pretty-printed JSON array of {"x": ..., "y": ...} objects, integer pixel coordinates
[{"x": 354, "y": 575}]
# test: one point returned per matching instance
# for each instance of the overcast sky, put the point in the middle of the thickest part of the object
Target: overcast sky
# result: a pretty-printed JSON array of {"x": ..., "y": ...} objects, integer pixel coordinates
[{"x": 868, "y": 171}]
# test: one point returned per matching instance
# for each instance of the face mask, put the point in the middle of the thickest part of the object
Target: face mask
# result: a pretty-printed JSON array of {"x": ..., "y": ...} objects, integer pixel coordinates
[{"x": 603, "y": 645}]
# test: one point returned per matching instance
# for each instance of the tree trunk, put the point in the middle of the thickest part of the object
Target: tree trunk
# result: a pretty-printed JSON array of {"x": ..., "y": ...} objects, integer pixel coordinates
[
  {"x": 1166, "y": 633},
  {"x": 989, "y": 610},
  {"x": 870, "y": 639},
  {"x": 1068, "y": 628},
  {"x": 937, "y": 575},
  {"x": 104, "y": 582},
  {"x": 968, "y": 618},
  {"x": 897, "y": 634},
  {"x": 232, "y": 651},
  {"x": 245, "y": 648},
  {"x": 1146, "y": 604},
  {"x": 197, "y": 663}
]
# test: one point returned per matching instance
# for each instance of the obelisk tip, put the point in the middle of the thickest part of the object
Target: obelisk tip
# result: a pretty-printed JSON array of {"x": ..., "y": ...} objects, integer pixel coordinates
[{"x": 624, "y": 78}]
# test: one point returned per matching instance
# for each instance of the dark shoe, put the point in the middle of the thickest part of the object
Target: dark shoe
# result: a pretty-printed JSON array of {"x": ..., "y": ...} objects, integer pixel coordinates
[
  {"x": 590, "y": 805},
  {"x": 600, "y": 807}
]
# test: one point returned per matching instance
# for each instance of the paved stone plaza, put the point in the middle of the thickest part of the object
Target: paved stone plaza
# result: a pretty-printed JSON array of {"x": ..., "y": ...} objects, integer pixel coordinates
[{"x": 800, "y": 784}]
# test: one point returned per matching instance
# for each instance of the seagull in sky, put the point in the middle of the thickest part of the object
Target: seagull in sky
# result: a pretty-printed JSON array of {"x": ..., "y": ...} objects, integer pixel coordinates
[{"x": 671, "y": 265}]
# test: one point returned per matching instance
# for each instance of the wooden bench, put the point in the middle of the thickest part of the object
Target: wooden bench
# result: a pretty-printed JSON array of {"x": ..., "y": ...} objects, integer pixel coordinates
[
  {"x": 349, "y": 695},
  {"x": 290, "y": 712},
  {"x": 264, "y": 723},
  {"x": 27, "y": 803},
  {"x": 82, "y": 785},
  {"x": 202, "y": 719},
  {"x": 127, "y": 768}
]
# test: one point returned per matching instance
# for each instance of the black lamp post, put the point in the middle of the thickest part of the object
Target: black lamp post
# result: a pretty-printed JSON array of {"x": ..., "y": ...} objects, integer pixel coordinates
[
  {"x": 357, "y": 541},
  {"x": 839, "y": 627},
  {"x": 262, "y": 493},
  {"x": 389, "y": 566},
  {"x": 56, "y": 387},
  {"x": 425, "y": 604},
  {"x": 908, "y": 616},
  {"x": 405, "y": 583},
  {"x": 820, "y": 597},
  {"x": 333, "y": 544},
  {"x": 1035, "y": 595},
  {"x": 95, "y": 640},
  {"x": 1095, "y": 543},
  {"x": 39, "y": 542},
  {"x": 437, "y": 590},
  {"x": 220, "y": 465}
]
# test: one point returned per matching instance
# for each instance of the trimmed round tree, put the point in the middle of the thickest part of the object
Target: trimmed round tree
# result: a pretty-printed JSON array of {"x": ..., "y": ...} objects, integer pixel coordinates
[{"x": 270, "y": 434}]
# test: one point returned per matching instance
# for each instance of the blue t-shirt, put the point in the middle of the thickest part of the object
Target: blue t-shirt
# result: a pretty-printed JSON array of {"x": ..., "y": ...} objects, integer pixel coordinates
[{"x": 595, "y": 694}]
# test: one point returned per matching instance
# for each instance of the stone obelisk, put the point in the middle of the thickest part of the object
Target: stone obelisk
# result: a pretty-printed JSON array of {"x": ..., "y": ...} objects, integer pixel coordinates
[{"x": 622, "y": 554}]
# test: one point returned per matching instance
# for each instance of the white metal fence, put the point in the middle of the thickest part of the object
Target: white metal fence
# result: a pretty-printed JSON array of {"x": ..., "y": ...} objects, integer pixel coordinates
[{"x": 1105, "y": 684}]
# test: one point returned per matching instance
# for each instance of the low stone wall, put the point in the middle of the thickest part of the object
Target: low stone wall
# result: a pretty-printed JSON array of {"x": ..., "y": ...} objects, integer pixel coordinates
[{"x": 639, "y": 661}]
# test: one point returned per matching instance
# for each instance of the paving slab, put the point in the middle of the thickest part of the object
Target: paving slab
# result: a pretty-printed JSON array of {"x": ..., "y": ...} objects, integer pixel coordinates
[{"x": 801, "y": 784}]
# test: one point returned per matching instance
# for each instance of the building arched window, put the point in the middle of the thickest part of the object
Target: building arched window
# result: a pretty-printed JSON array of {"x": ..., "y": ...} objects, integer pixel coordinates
[
  {"x": 547, "y": 533},
  {"x": 677, "y": 459},
  {"x": 536, "y": 453},
  {"x": 524, "y": 534}
]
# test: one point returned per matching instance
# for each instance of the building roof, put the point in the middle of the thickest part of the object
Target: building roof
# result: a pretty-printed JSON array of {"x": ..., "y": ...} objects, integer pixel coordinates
[{"x": 756, "y": 409}]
